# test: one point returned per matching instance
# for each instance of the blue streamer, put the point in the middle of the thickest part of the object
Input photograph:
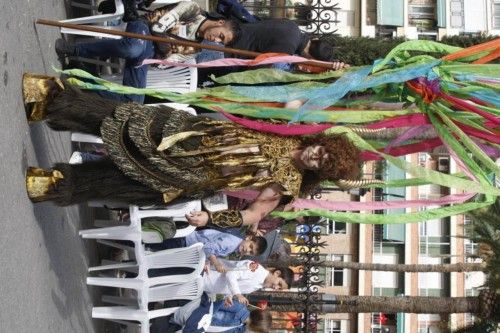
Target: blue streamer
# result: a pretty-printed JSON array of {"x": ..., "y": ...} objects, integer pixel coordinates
[
  {"x": 321, "y": 98},
  {"x": 487, "y": 95},
  {"x": 324, "y": 97},
  {"x": 474, "y": 77},
  {"x": 490, "y": 97}
]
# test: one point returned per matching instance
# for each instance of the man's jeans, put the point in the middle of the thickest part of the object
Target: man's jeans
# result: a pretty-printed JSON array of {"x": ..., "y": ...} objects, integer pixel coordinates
[{"x": 133, "y": 50}]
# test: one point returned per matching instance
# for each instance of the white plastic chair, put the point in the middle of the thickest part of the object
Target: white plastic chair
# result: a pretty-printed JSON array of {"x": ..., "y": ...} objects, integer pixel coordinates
[
  {"x": 176, "y": 211},
  {"x": 175, "y": 79},
  {"x": 133, "y": 232},
  {"x": 103, "y": 19},
  {"x": 188, "y": 291},
  {"x": 100, "y": 19},
  {"x": 187, "y": 257},
  {"x": 124, "y": 314}
]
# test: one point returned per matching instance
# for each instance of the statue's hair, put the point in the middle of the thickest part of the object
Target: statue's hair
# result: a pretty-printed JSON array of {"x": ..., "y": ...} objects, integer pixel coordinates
[{"x": 344, "y": 161}]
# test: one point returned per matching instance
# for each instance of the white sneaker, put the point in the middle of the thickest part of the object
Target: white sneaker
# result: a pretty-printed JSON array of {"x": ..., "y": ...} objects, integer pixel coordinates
[{"x": 76, "y": 158}]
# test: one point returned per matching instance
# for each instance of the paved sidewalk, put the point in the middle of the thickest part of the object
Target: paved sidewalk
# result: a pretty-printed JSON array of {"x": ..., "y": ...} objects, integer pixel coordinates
[{"x": 43, "y": 262}]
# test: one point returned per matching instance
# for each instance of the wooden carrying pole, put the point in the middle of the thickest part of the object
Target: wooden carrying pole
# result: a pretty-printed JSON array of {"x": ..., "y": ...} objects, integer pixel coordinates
[{"x": 183, "y": 42}]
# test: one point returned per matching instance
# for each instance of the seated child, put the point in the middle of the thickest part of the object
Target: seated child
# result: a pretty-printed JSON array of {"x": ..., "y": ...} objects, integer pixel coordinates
[
  {"x": 217, "y": 244},
  {"x": 194, "y": 318},
  {"x": 245, "y": 277}
]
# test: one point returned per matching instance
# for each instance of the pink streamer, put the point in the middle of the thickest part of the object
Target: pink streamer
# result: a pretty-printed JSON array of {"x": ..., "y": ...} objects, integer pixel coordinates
[
  {"x": 377, "y": 205},
  {"x": 280, "y": 129},
  {"x": 488, "y": 81},
  {"x": 466, "y": 106},
  {"x": 401, "y": 121},
  {"x": 460, "y": 164},
  {"x": 403, "y": 150},
  {"x": 407, "y": 135},
  {"x": 490, "y": 151},
  {"x": 491, "y": 137},
  {"x": 226, "y": 62}
]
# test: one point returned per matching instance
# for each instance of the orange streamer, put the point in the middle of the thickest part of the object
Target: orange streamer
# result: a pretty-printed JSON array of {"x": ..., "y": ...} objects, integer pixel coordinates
[
  {"x": 489, "y": 57},
  {"x": 494, "y": 44}
]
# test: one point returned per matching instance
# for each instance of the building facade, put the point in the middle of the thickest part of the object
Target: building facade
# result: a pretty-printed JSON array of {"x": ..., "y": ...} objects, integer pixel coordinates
[
  {"x": 412, "y": 19},
  {"x": 431, "y": 242}
]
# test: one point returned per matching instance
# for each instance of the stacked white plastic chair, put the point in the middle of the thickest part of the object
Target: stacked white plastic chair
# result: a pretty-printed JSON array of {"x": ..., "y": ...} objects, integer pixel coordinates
[
  {"x": 103, "y": 20},
  {"x": 133, "y": 232},
  {"x": 175, "y": 79},
  {"x": 187, "y": 291},
  {"x": 191, "y": 257},
  {"x": 186, "y": 286}
]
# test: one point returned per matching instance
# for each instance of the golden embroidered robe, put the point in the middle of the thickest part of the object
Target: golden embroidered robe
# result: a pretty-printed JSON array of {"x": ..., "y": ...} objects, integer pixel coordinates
[{"x": 205, "y": 155}]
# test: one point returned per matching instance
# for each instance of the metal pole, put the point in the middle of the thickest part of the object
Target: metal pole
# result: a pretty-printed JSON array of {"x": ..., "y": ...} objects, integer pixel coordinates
[{"x": 244, "y": 53}]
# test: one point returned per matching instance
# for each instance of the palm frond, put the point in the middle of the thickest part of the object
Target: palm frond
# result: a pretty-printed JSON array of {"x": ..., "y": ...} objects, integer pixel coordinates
[{"x": 483, "y": 326}]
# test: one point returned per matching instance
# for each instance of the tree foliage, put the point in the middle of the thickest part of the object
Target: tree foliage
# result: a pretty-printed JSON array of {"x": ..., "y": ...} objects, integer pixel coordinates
[{"x": 358, "y": 51}]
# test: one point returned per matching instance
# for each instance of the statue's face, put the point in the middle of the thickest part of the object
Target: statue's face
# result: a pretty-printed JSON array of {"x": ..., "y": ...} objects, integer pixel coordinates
[{"x": 312, "y": 157}]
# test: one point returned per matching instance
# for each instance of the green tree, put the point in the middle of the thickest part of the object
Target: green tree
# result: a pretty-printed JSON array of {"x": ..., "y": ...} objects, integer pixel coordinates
[
  {"x": 402, "y": 268},
  {"x": 358, "y": 51}
]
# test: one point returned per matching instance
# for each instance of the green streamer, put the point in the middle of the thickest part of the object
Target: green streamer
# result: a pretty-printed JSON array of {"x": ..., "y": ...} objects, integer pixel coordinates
[
  {"x": 396, "y": 182},
  {"x": 433, "y": 176},
  {"x": 269, "y": 75},
  {"x": 254, "y": 111},
  {"x": 412, "y": 217},
  {"x": 415, "y": 45},
  {"x": 471, "y": 145},
  {"x": 455, "y": 68}
]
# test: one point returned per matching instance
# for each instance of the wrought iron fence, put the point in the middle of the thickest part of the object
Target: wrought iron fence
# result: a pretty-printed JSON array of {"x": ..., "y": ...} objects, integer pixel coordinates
[
  {"x": 306, "y": 301},
  {"x": 317, "y": 17}
]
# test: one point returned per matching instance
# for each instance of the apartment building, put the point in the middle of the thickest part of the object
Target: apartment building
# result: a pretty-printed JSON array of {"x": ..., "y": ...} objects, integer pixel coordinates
[
  {"x": 413, "y": 19},
  {"x": 430, "y": 242}
]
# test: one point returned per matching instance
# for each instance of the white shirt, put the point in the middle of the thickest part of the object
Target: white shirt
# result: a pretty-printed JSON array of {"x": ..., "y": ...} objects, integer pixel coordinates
[{"x": 238, "y": 280}]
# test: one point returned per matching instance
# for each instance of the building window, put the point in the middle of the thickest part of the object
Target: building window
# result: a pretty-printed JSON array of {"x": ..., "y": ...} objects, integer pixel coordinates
[
  {"x": 434, "y": 246},
  {"x": 496, "y": 14},
  {"x": 431, "y": 292},
  {"x": 434, "y": 239},
  {"x": 432, "y": 325},
  {"x": 457, "y": 13},
  {"x": 470, "y": 247},
  {"x": 335, "y": 276},
  {"x": 471, "y": 292},
  {"x": 333, "y": 326},
  {"x": 346, "y": 17},
  {"x": 422, "y": 16},
  {"x": 333, "y": 227},
  {"x": 422, "y": 159}
]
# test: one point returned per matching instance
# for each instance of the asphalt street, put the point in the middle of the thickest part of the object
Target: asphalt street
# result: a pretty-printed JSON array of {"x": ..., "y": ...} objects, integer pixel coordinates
[{"x": 43, "y": 262}]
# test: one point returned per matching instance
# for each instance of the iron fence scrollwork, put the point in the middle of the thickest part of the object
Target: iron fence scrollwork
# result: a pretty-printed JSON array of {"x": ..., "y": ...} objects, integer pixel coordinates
[
  {"x": 309, "y": 242},
  {"x": 316, "y": 17}
]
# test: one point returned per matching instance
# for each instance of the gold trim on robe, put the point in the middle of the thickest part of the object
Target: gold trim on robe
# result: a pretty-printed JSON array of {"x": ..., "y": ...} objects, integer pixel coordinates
[{"x": 203, "y": 155}]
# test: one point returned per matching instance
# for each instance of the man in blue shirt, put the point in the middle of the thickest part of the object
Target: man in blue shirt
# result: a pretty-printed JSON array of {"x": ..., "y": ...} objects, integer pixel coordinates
[{"x": 217, "y": 244}]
